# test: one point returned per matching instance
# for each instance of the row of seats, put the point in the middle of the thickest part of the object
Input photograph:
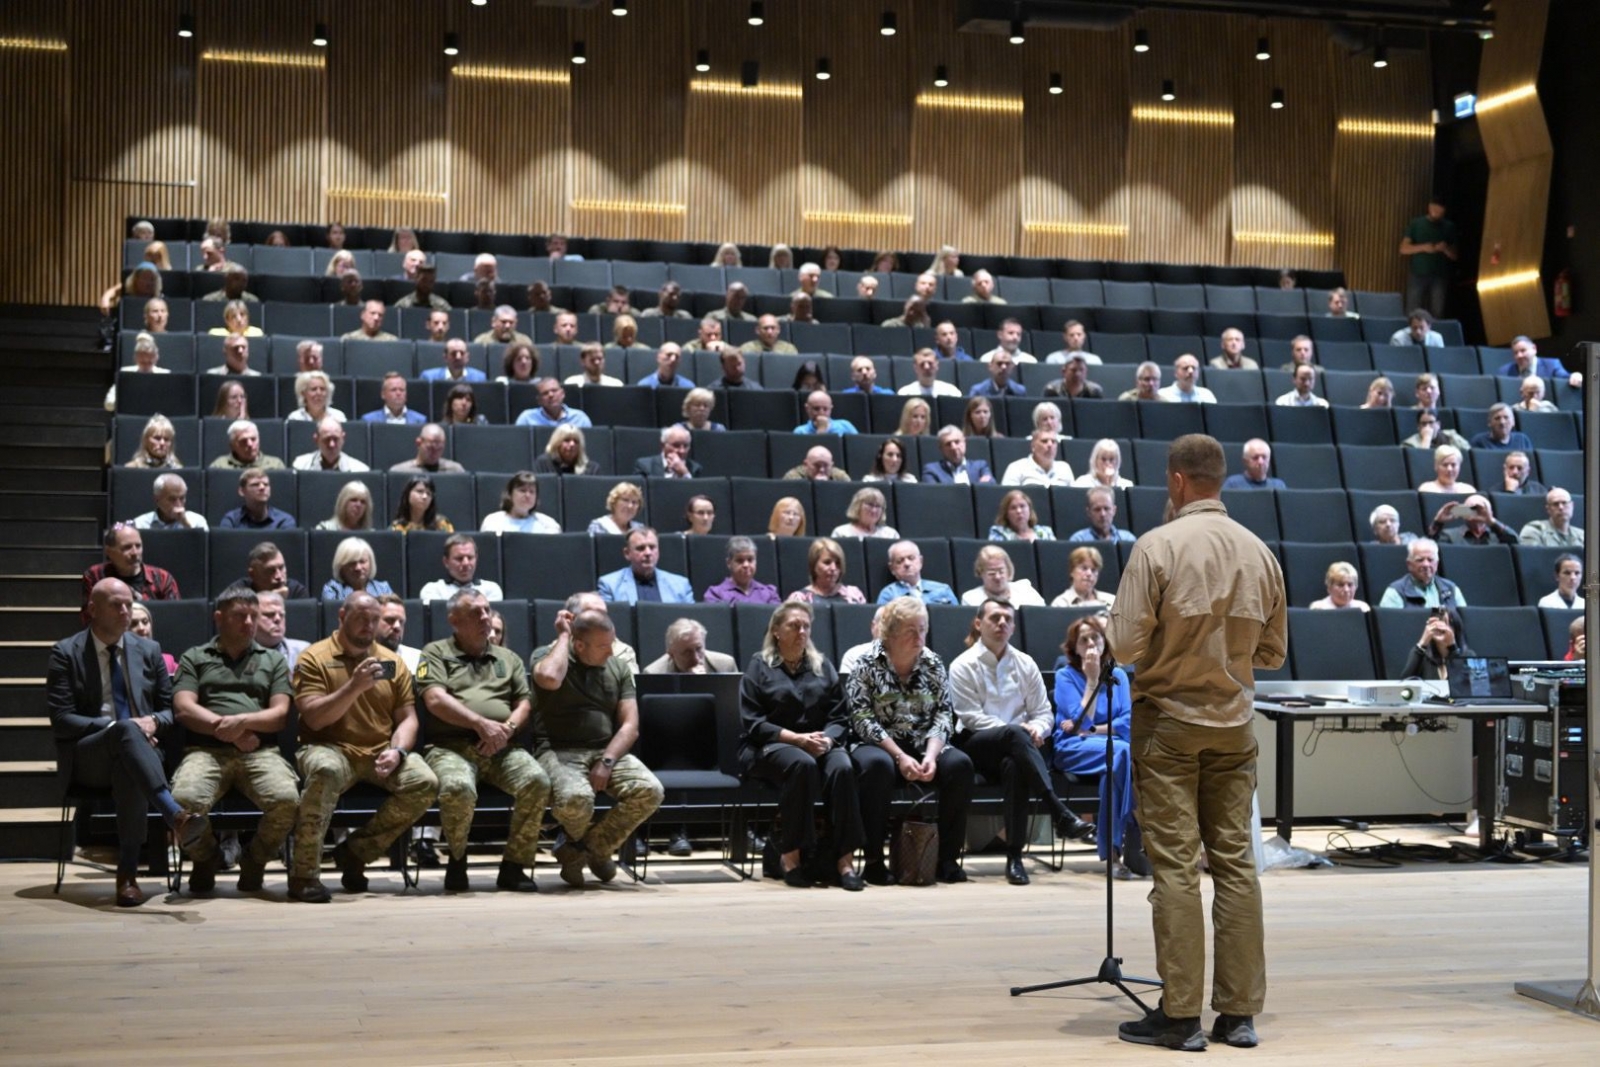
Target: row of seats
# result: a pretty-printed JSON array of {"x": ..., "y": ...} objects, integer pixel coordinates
[
  {"x": 204, "y": 562},
  {"x": 308, "y": 292},
  {"x": 457, "y": 242},
  {"x": 1322, "y": 644}
]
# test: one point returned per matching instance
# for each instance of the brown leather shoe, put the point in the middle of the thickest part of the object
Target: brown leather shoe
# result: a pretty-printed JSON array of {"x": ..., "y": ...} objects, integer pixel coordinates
[{"x": 129, "y": 895}]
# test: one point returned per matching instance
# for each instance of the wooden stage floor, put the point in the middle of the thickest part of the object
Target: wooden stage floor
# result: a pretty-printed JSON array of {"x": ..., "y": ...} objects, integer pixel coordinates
[{"x": 1411, "y": 965}]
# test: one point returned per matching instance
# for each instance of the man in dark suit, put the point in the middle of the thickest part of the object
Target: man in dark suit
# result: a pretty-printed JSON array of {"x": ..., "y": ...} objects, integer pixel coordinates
[
  {"x": 109, "y": 698},
  {"x": 954, "y": 468},
  {"x": 674, "y": 461}
]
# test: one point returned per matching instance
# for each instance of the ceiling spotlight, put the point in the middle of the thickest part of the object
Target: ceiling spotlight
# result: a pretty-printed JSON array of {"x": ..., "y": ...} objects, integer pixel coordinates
[
  {"x": 750, "y": 74},
  {"x": 1277, "y": 99},
  {"x": 619, "y": 7},
  {"x": 1262, "y": 51},
  {"x": 1056, "y": 88},
  {"x": 1168, "y": 92},
  {"x": 319, "y": 36},
  {"x": 1141, "y": 40},
  {"x": 702, "y": 60},
  {"x": 886, "y": 25},
  {"x": 579, "y": 56},
  {"x": 480, "y": 3},
  {"x": 452, "y": 45},
  {"x": 941, "y": 76},
  {"x": 185, "y": 25},
  {"x": 1016, "y": 35},
  {"x": 1380, "y": 55},
  {"x": 758, "y": 13},
  {"x": 824, "y": 69}
]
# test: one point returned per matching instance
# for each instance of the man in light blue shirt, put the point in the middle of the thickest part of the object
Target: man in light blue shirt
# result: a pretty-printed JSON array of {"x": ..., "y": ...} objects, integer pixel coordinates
[
  {"x": 455, "y": 367},
  {"x": 864, "y": 373},
  {"x": 819, "y": 417},
  {"x": 905, "y": 563},
  {"x": 1257, "y": 461},
  {"x": 641, "y": 579},
  {"x": 1418, "y": 331},
  {"x": 666, "y": 375},
  {"x": 1101, "y": 508},
  {"x": 552, "y": 409}
]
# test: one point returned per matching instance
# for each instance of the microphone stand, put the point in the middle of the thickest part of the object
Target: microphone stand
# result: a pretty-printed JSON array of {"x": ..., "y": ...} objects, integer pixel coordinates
[{"x": 1110, "y": 972}]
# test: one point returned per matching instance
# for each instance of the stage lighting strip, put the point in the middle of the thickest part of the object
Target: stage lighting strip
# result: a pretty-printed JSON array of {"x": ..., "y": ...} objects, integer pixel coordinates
[
  {"x": 397, "y": 195},
  {"x": 1510, "y": 96},
  {"x": 513, "y": 74},
  {"x": 629, "y": 207},
  {"x": 1005, "y": 105},
  {"x": 1507, "y": 281},
  {"x": 857, "y": 218},
  {"x": 732, "y": 88},
  {"x": 1382, "y": 128},
  {"x": 265, "y": 59},
  {"x": 32, "y": 44},
  {"x": 1190, "y": 116},
  {"x": 1271, "y": 237},
  {"x": 1078, "y": 229}
]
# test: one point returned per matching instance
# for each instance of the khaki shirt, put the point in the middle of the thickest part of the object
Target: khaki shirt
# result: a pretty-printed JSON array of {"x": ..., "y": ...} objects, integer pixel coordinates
[
  {"x": 241, "y": 687},
  {"x": 366, "y": 728},
  {"x": 581, "y": 714},
  {"x": 1201, "y": 603},
  {"x": 491, "y": 685}
]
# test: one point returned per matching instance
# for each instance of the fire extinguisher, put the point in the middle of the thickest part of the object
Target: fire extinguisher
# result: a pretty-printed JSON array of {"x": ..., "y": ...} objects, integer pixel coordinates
[{"x": 1563, "y": 294}]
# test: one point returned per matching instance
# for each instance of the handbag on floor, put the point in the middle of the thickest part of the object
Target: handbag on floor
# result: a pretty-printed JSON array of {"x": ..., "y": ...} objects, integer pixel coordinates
[{"x": 914, "y": 848}]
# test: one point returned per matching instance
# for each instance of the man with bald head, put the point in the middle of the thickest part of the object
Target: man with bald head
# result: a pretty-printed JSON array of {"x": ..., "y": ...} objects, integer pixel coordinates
[
  {"x": 170, "y": 496},
  {"x": 329, "y": 454},
  {"x": 819, "y": 417},
  {"x": 767, "y": 340},
  {"x": 357, "y": 723},
  {"x": 817, "y": 467},
  {"x": 371, "y": 328},
  {"x": 1479, "y": 526},
  {"x": 666, "y": 374},
  {"x": 110, "y": 699},
  {"x": 1257, "y": 464},
  {"x": 1556, "y": 530},
  {"x": 430, "y": 454},
  {"x": 733, "y": 306}
]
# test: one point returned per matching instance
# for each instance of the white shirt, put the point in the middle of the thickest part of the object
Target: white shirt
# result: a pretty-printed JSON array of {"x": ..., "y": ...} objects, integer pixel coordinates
[
  {"x": 444, "y": 589},
  {"x": 853, "y": 656},
  {"x": 1026, "y": 472},
  {"x": 1327, "y": 604},
  {"x": 989, "y": 692},
  {"x": 937, "y": 389},
  {"x": 501, "y": 522},
  {"x": 1087, "y": 480},
  {"x": 583, "y": 379},
  {"x": 1023, "y": 595},
  {"x": 1061, "y": 355},
  {"x": 1019, "y": 356},
  {"x": 1070, "y": 599},
  {"x": 1292, "y": 399},
  {"x": 148, "y": 520},
  {"x": 312, "y": 461},
  {"x": 1200, "y": 395},
  {"x": 1553, "y": 599},
  {"x": 300, "y": 415}
]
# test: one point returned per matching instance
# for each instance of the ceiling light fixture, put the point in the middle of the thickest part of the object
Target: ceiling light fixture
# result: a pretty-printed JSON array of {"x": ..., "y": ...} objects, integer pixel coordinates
[
  {"x": 1277, "y": 99},
  {"x": 319, "y": 36},
  {"x": 824, "y": 69},
  {"x": 1169, "y": 92},
  {"x": 750, "y": 74},
  {"x": 579, "y": 55},
  {"x": 1056, "y": 88},
  {"x": 1141, "y": 41},
  {"x": 886, "y": 25},
  {"x": 1380, "y": 51},
  {"x": 702, "y": 60},
  {"x": 1262, "y": 51},
  {"x": 619, "y": 8},
  {"x": 941, "y": 76},
  {"x": 186, "y": 26},
  {"x": 452, "y": 45},
  {"x": 1016, "y": 36},
  {"x": 758, "y": 13}
]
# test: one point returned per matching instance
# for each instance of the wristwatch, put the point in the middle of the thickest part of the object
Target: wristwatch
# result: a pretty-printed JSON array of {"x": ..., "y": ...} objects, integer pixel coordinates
[{"x": 607, "y": 762}]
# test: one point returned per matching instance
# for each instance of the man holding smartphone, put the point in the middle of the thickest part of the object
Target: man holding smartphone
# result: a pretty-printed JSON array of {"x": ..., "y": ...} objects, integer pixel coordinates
[
  {"x": 1481, "y": 527},
  {"x": 357, "y": 723}
]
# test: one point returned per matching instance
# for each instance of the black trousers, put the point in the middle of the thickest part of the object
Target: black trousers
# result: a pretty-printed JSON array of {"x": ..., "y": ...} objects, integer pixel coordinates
[
  {"x": 802, "y": 781},
  {"x": 121, "y": 758},
  {"x": 876, "y": 777},
  {"x": 1007, "y": 754}
]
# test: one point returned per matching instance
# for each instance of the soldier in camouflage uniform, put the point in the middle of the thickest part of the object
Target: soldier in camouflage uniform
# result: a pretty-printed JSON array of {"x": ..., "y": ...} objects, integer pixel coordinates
[
  {"x": 586, "y": 720},
  {"x": 477, "y": 701}
]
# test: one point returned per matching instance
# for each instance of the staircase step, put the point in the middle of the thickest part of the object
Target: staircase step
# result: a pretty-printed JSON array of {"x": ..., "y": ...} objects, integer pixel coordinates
[
  {"x": 28, "y": 783},
  {"x": 51, "y": 531},
  {"x": 21, "y": 697},
  {"x": 91, "y": 437},
  {"x": 43, "y": 590},
  {"x": 31, "y": 833},
  {"x": 47, "y": 559},
  {"x": 27, "y": 738},
  {"x": 53, "y": 393},
  {"x": 43, "y": 453},
  {"x": 24, "y": 659},
  {"x": 38, "y": 624},
  {"x": 25, "y": 504},
  {"x": 74, "y": 479},
  {"x": 14, "y": 414}
]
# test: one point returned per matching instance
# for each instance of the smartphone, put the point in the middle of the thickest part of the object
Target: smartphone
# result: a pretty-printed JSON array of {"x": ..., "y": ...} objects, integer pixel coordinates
[
  {"x": 386, "y": 669},
  {"x": 1440, "y": 613},
  {"x": 1462, "y": 513}
]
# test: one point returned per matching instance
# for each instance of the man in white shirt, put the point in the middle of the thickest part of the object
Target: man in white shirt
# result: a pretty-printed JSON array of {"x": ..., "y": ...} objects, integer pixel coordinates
[
  {"x": 170, "y": 495},
  {"x": 235, "y": 357},
  {"x": 925, "y": 362},
  {"x": 1040, "y": 466},
  {"x": 1184, "y": 390},
  {"x": 1304, "y": 393},
  {"x": 1073, "y": 338},
  {"x": 592, "y": 358},
  {"x": 1005, "y": 719},
  {"x": 1009, "y": 337},
  {"x": 461, "y": 565},
  {"x": 329, "y": 454}
]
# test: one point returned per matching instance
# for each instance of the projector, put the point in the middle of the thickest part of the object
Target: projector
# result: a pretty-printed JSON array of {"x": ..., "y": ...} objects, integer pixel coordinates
[{"x": 1385, "y": 694}]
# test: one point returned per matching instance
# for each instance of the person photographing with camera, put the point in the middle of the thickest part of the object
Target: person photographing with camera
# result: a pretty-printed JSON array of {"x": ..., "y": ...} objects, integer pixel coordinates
[{"x": 1481, "y": 527}]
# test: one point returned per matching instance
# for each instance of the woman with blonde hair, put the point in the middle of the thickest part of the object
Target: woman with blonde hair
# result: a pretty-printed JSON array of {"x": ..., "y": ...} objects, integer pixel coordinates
[
  {"x": 1084, "y": 566},
  {"x": 142, "y": 625},
  {"x": 1105, "y": 467},
  {"x": 1017, "y": 521},
  {"x": 1341, "y": 585},
  {"x": 232, "y": 402},
  {"x": 404, "y": 240},
  {"x": 697, "y": 405},
  {"x": 314, "y": 390},
  {"x": 565, "y": 454},
  {"x": 1046, "y": 416},
  {"x": 866, "y": 514},
  {"x": 1446, "y": 473},
  {"x": 235, "y": 319},
  {"x": 352, "y": 508},
  {"x": 156, "y": 252},
  {"x": 916, "y": 418},
  {"x": 341, "y": 262},
  {"x": 355, "y": 570},
  {"x": 622, "y": 504},
  {"x": 947, "y": 262},
  {"x": 788, "y": 518},
  {"x": 1380, "y": 394},
  {"x": 781, "y": 258},
  {"x": 625, "y": 334},
  {"x": 519, "y": 513},
  {"x": 156, "y": 451},
  {"x": 997, "y": 575},
  {"x": 825, "y": 563},
  {"x": 728, "y": 255}
]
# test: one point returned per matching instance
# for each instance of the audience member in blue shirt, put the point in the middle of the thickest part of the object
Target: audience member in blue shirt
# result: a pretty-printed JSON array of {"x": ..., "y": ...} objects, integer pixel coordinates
[
  {"x": 905, "y": 563},
  {"x": 1257, "y": 461},
  {"x": 819, "y": 417},
  {"x": 553, "y": 410}
]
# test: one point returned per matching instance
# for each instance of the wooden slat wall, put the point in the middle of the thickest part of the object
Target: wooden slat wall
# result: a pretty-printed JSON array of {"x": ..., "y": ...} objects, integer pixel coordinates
[
  {"x": 1517, "y": 142},
  {"x": 34, "y": 67},
  {"x": 1181, "y": 172},
  {"x": 1283, "y": 159},
  {"x": 522, "y": 141},
  {"x": 1074, "y": 199},
  {"x": 1381, "y": 177}
]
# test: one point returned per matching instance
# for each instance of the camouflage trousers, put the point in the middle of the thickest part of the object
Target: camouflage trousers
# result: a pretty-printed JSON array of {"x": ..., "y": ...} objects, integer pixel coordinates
[
  {"x": 636, "y": 791},
  {"x": 265, "y": 777},
  {"x": 459, "y": 765},
  {"x": 330, "y": 771}
]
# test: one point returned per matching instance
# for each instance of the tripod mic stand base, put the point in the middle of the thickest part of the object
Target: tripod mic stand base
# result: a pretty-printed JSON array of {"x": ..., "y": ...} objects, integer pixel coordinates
[{"x": 1110, "y": 974}]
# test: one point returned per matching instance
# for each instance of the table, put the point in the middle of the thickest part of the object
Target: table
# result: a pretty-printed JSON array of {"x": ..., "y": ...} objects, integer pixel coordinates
[{"x": 1483, "y": 719}]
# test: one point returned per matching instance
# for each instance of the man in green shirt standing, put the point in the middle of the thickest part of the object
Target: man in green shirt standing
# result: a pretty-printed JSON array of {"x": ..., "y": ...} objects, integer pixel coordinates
[
  {"x": 477, "y": 701},
  {"x": 232, "y": 695},
  {"x": 586, "y": 720},
  {"x": 1430, "y": 240}
]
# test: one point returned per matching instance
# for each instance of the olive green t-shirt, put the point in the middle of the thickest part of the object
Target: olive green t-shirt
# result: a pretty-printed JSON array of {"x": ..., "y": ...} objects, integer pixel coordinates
[
  {"x": 240, "y": 687},
  {"x": 583, "y": 712},
  {"x": 490, "y": 685}
]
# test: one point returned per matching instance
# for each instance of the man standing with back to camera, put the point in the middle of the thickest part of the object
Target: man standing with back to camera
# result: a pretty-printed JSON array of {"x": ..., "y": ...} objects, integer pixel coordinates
[{"x": 1201, "y": 604}]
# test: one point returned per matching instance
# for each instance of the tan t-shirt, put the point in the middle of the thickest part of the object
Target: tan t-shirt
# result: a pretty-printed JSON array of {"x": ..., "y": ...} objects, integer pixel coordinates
[{"x": 365, "y": 729}]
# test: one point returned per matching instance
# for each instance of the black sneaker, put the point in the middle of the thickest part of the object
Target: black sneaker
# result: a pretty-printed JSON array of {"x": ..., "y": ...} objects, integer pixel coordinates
[
  {"x": 1133, "y": 853},
  {"x": 1156, "y": 1028},
  {"x": 876, "y": 874},
  {"x": 514, "y": 879},
  {"x": 1236, "y": 1030},
  {"x": 679, "y": 845},
  {"x": 352, "y": 872},
  {"x": 455, "y": 876},
  {"x": 951, "y": 873}
]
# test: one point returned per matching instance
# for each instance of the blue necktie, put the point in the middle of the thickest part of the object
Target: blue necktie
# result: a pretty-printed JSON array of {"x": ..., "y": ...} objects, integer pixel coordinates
[{"x": 119, "y": 688}]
